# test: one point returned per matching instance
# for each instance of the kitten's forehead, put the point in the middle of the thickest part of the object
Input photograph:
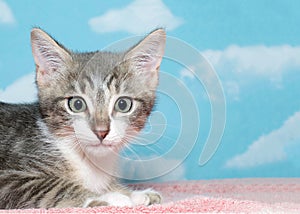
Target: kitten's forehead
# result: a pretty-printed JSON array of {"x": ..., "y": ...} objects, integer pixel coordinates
[
  {"x": 98, "y": 64},
  {"x": 95, "y": 70},
  {"x": 102, "y": 75}
]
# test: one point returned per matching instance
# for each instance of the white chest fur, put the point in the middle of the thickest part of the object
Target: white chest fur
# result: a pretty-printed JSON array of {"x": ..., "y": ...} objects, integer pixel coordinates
[{"x": 94, "y": 173}]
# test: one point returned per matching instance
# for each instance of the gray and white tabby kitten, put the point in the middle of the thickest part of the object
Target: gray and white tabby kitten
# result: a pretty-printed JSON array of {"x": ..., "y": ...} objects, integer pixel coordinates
[{"x": 60, "y": 151}]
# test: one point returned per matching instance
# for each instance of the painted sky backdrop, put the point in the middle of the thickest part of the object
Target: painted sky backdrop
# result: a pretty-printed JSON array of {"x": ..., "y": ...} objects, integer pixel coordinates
[{"x": 254, "y": 47}]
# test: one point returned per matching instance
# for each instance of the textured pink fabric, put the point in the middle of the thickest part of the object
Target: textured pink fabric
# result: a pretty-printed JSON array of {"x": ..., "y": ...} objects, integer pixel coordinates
[{"x": 229, "y": 195}]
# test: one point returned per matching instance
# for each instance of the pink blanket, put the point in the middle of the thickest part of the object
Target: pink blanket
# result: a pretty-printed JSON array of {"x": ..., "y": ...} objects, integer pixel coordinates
[{"x": 229, "y": 195}]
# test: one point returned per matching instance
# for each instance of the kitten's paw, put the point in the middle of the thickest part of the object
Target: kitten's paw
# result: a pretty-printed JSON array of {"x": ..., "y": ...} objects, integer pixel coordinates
[
  {"x": 110, "y": 199},
  {"x": 145, "y": 197}
]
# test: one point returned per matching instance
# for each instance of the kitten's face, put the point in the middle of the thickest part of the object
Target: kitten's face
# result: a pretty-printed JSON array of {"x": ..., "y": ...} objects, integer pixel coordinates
[{"x": 96, "y": 101}]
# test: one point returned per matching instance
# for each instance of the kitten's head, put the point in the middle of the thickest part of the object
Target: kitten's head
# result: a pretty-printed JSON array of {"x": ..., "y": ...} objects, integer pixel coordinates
[{"x": 98, "y": 100}]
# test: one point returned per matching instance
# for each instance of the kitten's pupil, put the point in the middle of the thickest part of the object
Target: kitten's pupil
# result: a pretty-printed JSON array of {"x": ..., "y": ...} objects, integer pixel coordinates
[
  {"x": 78, "y": 105},
  {"x": 122, "y": 104}
]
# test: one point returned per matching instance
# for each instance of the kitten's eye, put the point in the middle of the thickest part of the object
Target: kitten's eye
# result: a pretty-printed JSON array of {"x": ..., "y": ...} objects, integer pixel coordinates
[
  {"x": 123, "y": 104},
  {"x": 77, "y": 104}
]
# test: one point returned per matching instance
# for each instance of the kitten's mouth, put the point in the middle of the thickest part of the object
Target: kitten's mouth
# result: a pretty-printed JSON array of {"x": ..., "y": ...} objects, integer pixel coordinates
[{"x": 101, "y": 144}]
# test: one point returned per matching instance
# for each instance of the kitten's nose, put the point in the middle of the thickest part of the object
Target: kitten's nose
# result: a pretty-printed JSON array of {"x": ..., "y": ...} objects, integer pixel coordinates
[{"x": 101, "y": 134}]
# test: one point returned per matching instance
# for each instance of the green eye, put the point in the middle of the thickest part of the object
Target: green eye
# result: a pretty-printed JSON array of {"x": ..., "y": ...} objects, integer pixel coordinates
[
  {"x": 77, "y": 104},
  {"x": 123, "y": 104}
]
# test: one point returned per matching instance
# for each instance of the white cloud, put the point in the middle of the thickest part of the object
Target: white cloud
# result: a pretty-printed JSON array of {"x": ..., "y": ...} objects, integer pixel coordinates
[
  {"x": 243, "y": 66},
  {"x": 6, "y": 15},
  {"x": 270, "y": 62},
  {"x": 202, "y": 74},
  {"x": 22, "y": 90},
  {"x": 136, "y": 18},
  {"x": 272, "y": 147},
  {"x": 232, "y": 89}
]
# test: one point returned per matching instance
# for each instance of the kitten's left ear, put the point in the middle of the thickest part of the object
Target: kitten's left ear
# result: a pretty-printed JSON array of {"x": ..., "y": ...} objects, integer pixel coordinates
[
  {"x": 51, "y": 59},
  {"x": 145, "y": 58}
]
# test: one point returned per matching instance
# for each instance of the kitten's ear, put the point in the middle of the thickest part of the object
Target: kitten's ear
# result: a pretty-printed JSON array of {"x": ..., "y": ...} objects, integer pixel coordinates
[
  {"x": 145, "y": 58},
  {"x": 50, "y": 58}
]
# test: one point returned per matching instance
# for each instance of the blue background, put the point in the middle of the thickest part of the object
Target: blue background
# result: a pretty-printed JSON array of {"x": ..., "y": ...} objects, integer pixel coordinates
[{"x": 254, "y": 47}]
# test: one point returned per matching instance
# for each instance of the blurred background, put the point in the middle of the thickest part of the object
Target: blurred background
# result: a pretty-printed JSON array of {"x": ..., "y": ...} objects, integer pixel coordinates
[{"x": 252, "y": 46}]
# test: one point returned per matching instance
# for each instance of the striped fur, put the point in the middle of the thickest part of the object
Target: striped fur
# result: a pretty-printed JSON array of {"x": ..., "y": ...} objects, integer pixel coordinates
[{"x": 51, "y": 156}]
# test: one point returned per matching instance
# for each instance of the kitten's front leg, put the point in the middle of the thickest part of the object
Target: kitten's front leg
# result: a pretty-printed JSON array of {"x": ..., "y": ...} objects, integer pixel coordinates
[{"x": 134, "y": 198}]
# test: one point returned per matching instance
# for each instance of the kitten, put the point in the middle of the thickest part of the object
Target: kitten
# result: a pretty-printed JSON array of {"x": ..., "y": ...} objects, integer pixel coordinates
[{"x": 62, "y": 150}]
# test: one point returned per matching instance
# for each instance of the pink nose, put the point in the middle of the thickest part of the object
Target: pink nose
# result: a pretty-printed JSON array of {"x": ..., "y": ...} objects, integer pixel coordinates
[{"x": 101, "y": 134}]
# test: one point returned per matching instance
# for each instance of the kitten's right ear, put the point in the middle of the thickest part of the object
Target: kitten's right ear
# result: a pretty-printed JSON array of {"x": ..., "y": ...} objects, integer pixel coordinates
[{"x": 50, "y": 58}]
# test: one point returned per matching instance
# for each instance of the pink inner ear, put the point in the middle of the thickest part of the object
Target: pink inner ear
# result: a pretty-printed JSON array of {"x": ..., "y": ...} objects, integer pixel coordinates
[
  {"x": 45, "y": 67},
  {"x": 37, "y": 58},
  {"x": 146, "y": 56},
  {"x": 49, "y": 59},
  {"x": 145, "y": 68},
  {"x": 147, "y": 63},
  {"x": 40, "y": 68}
]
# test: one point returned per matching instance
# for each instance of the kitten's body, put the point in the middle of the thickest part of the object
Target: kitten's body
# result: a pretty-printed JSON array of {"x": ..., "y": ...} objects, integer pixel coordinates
[{"x": 61, "y": 153}]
